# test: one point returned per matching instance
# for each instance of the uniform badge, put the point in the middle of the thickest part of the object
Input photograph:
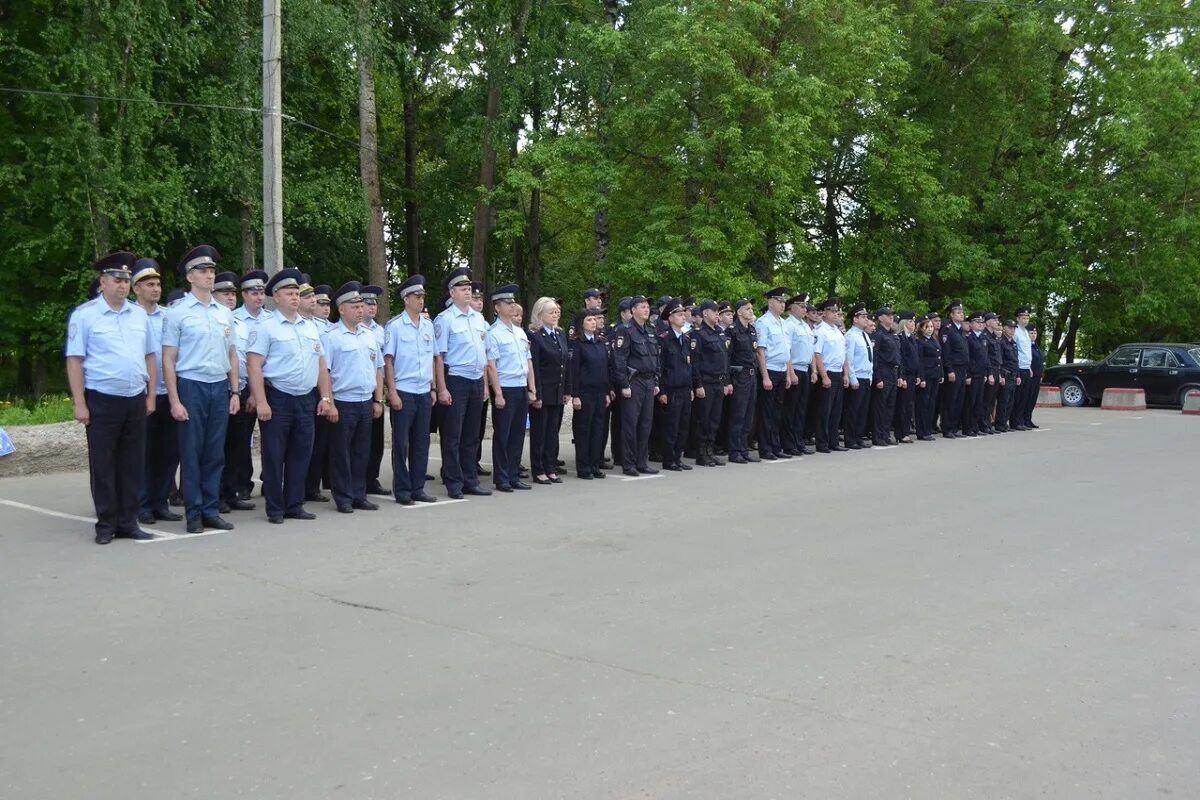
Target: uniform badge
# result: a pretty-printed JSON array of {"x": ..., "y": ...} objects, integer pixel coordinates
[
  {"x": 728, "y": 343},
  {"x": 693, "y": 344},
  {"x": 226, "y": 331},
  {"x": 945, "y": 337},
  {"x": 71, "y": 331},
  {"x": 317, "y": 347},
  {"x": 250, "y": 339},
  {"x": 620, "y": 341}
]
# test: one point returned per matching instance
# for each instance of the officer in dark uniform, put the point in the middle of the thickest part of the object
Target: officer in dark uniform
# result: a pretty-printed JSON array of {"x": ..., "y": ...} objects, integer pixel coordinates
[
  {"x": 635, "y": 373},
  {"x": 991, "y": 391},
  {"x": 910, "y": 374},
  {"x": 977, "y": 367},
  {"x": 1009, "y": 376},
  {"x": 724, "y": 321},
  {"x": 624, "y": 314},
  {"x": 1037, "y": 367},
  {"x": 932, "y": 377},
  {"x": 743, "y": 358},
  {"x": 680, "y": 377},
  {"x": 589, "y": 388},
  {"x": 886, "y": 378},
  {"x": 712, "y": 363},
  {"x": 955, "y": 360}
]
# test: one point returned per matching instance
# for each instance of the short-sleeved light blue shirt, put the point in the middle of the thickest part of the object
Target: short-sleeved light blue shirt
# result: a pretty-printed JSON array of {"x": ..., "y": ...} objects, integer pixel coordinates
[
  {"x": 460, "y": 338},
  {"x": 858, "y": 355},
  {"x": 244, "y": 315},
  {"x": 241, "y": 340},
  {"x": 291, "y": 353},
  {"x": 1024, "y": 348},
  {"x": 508, "y": 348},
  {"x": 831, "y": 344},
  {"x": 411, "y": 346},
  {"x": 802, "y": 342},
  {"x": 376, "y": 330},
  {"x": 354, "y": 362},
  {"x": 113, "y": 346},
  {"x": 772, "y": 338},
  {"x": 157, "y": 319},
  {"x": 202, "y": 334}
]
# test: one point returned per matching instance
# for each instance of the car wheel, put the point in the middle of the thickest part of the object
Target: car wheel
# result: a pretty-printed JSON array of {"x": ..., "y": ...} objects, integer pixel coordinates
[
  {"x": 1183, "y": 393},
  {"x": 1073, "y": 394}
]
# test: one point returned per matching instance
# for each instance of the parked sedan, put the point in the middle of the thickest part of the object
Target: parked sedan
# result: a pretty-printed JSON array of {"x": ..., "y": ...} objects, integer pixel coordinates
[{"x": 1166, "y": 371}]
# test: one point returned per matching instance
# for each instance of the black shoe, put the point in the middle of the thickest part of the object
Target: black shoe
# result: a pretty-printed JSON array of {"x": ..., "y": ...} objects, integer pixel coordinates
[
  {"x": 405, "y": 501},
  {"x": 316, "y": 497},
  {"x": 1032, "y": 425},
  {"x": 424, "y": 498},
  {"x": 926, "y": 438},
  {"x": 520, "y": 485},
  {"x": 345, "y": 509},
  {"x": 633, "y": 473},
  {"x": 175, "y": 498},
  {"x": 224, "y": 508},
  {"x": 365, "y": 505},
  {"x": 275, "y": 520},
  {"x": 824, "y": 450},
  {"x": 104, "y": 537},
  {"x": 245, "y": 494},
  {"x": 606, "y": 464},
  {"x": 720, "y": 451},
  {"x": 195, "y": 526},
  {"x": 784, "y": 455},
  {"x": 216, "y": 523},
  {"x": 523, "y": 472},
  {"x": 853, "y": 446},
  {"x": 950, "y": 435},
  {"x": 146, "y": 518},
  {"x": 753, "y": 459},
  {"x": 804, "y": 451},
  {"x": 769, "y": 457},
  {"x": 647, "y": 470},
  {"x": 375, "y": 487},
  {"x": 672, "y": 468},
  {"x": 837, "y": 448},
  {"x": 1020, "y": 428},
  {"x": 240, "y": 505},
  {"x": 479, "y": 469},
  {"x": 504, "y": 488},
  {"x": 428, "y": 477},
  {"x": 879, "y": 444},
  {"x": 543, "y": 481},
  {"x": 558, "y": 462},
  {"x": 455, "y": 495},
  {"x": 737, "y": 458},
  {"x": 300, "y": 515},
  {"x": 679, "y": 465},
  {"x": 138, "y": 535},
  {"x": 477, "y": 491},
  {"x": 599, "y": 474},
  {"x": 584, "y": 476},
  {"x": 168, "y": 516},
  {"x": 555, "y": 479}
]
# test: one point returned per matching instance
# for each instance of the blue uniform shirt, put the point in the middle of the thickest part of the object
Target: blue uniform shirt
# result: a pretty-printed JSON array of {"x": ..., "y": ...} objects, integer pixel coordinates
[
  {"x": 291, "y": 353},
  {"x": 243, "y": 314},
  {"x": 508, "y": 347},
  {"x": 774, "y": 340},
  {"x": 858, "y": 355},
  {"x": 202, "y": 334},
  {"x": 411, "y": 346},
  {"x": 460, "y": 338},
  {"x": 1024, "y": 348},
  {"x": 802, "y": 342},
  {"x": 354, "y": 361},
  {"x": 831, "y": 344},
  {"x": 157, "y": 320},
  {"x": 113, "y": 346},
  {"x": 241, "y": 340},
  {"x": 376, "y": 330}
]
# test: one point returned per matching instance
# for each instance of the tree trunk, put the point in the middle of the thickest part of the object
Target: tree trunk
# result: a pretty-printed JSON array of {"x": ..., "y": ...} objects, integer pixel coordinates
[
  {"x": 368, "y": 140},
  {"x": 249, "y": 246},
  {"x": 600, "y": 225},
  {"x": 833, "y": 232},
  {"x": 412, "y": 225}
]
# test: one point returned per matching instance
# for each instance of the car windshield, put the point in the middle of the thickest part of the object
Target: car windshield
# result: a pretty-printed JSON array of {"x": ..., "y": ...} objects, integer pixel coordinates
[{"x": 1195, "y": 354}]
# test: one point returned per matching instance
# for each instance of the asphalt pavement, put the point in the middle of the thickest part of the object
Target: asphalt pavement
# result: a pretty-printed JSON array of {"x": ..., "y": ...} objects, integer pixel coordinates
[{"x": 1007, "y": 617}]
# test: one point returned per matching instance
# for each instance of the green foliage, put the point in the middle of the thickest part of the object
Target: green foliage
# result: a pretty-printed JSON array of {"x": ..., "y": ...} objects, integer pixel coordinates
[{"x": 38, "y": 411}]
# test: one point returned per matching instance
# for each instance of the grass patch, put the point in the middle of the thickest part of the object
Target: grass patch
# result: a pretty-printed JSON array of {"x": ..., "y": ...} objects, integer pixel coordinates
[{"x": 36, "y": 411}]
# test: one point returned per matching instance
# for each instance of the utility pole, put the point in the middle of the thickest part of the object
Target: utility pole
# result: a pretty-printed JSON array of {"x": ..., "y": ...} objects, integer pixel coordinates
[{"x": 272, "y": 108}]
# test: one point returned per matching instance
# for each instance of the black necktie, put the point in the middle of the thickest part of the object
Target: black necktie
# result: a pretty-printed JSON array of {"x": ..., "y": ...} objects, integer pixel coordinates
[{"x": 867, "y": 339}]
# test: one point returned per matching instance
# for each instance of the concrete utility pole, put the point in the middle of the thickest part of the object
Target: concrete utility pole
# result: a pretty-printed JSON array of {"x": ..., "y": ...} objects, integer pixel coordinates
[{"x": 272, "y": 107}]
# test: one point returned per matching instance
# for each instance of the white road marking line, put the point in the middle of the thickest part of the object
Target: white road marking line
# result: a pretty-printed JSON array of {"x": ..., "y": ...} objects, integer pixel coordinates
[
  {"x": 1095, "y": 423},
  {"x": 641, "y": 478},
  {"x": 48, "y": 512},
  {"x": 171, "y": 537},
  {"x": 441, "y": 503}
]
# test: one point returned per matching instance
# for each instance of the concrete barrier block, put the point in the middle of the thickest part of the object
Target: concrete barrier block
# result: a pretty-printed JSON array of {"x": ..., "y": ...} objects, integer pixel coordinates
[
  {"x": 1124, "y": 400},
  {"x": 1049, "y": 397},
  {"x": 1191, "y": 403}
]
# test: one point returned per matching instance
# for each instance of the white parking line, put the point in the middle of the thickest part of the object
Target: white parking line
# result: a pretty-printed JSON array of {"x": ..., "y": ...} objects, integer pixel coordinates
[
  {"x": 641, "y": 478},
  {"x": 48, "y": 512},
  {"x": 171, "y": 537},
  {"x": 441, "y": 503}
]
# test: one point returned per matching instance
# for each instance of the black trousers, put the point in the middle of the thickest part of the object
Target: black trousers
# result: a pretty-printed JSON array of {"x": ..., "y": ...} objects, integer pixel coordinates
[
  {"x": 741, "y": 410},
  {"x": 707, "y": 413},
  {"x": 286, "y": 449},
  {"x": 544, "y": 425},
  {"x": 375, "y": 454},
  {"x": 903, "y": 420},
  {"x": 410, "y": 444},
  {"x": 1023, "y": 398},
  {"x": 616, "y": 436},
  {"x": 637, "y": 411},
  {"x": 508, "y": 435},
  {"x": 459, "y": 427},
  {"x": 991, "y": 392},
  {"x": 589, "y": 428},
  {"x": 883, "y": 409},
  {"x": 953, "y": 398},
  {"x": 1004, "y": 405},
  {"x": 116, "y": 442},
  {"x": 1035, "y": 387},
  {"x": 162, "y": 457},
  {"x": 676, "y": 415},
  {"x": 854, "y": 413},
  {"x": 349, "y": 447},
  {"x": 770, "y": 420},
  {"x": 795, "y": 409},
  {"x": 237, "y": 477},
  {"x": 926, "y": 403},
  {"x": 972, "y": 419},
  {"x": 321, "y": 463},
  {"x": 829, "y": 411}
]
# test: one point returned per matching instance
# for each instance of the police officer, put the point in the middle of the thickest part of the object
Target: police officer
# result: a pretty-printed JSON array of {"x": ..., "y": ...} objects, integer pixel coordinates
[
  {"x": 724, "y": 322},
  {"x": 511, "y": 376},
  {"x": 829, "y": 358},
  {"x": 991, "y": 391},
  {"x": 371, "y": 294},
  {"x": 860, "y": 370},
  {"x": 162, "y": 438},
  {"x": 323, "y": 294},
  {"x": 321, "y": 462},
  {"x": 460, "y": 331},
  {"x": 1023, "y": 400},
  {"x": 956, "y": 360},
  {"x": 1010, "y": 376},
  {"x": 356, "y": 377},
  {"x": 112, "y": 373},
  {"x": 932, "y": 377},
  {"x": 1036, "y": 369},
  {"x": 743, "y": 361},
  {"x": 886, "y": 378},
  {"x": 712, "y": 361},
  {"x": 410, "y": 360},
  {"x": 976, "y": 383},
  {"x": 801, "y": 343},
  {"x": 911, "y": 375},
  {"x": 635, "y": 373},
  {"x": 238, "y": 466},
  {"x": 679, "y": 377},
  {"x": 774, "y": 359},
  {"x": 624, "y": 315},
  {"x": 251, "y": 313},
  {"x": 590, "y": 391},
  {"x": 201, "y": 366},
  {"x": 287, "y": 366}
]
